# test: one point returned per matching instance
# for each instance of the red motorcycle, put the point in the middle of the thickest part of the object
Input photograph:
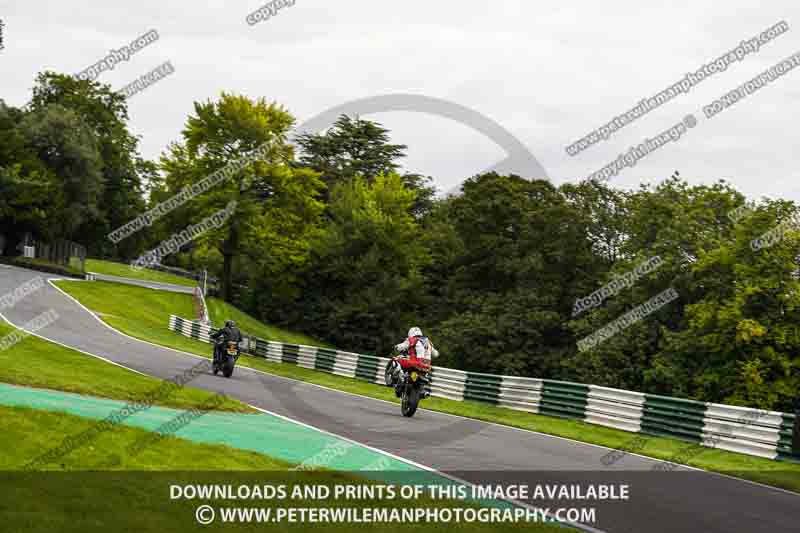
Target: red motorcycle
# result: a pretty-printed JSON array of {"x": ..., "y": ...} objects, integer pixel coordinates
[{"x": 410, "y": 377}]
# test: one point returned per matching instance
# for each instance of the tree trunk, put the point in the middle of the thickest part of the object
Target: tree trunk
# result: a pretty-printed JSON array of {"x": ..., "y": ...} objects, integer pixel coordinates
[
  {"x": 227, "y": 264},
  {"x": 229, "y": 249}
]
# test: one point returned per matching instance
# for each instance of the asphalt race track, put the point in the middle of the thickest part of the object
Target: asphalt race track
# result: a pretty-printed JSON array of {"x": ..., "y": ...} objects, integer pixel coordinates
[{"x": 478, "y": 452}]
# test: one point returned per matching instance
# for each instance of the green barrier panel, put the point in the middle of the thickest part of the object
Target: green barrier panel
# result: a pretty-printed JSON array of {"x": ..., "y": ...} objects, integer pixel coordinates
[
  {"x": 179, "y": 322},
  {"x": 195, "y": 330},
  {"x": 367, "y": 368},
  {"x": 262, "y": 348},
  {"x": 482, "y": 387},
  {"x": 325, "y": 359},
  {"x": 785, "y": 446},
  {"x": 796, "y": 440},
  {"x": 789, "y": 443},
  {"x": 565, "y": 400},
  {"x": 673, "y": 417},
  {"x": 289, "y": 353}
]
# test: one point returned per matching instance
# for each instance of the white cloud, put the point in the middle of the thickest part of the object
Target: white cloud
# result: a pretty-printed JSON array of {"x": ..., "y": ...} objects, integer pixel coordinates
[{"x": 547, "y": 71}]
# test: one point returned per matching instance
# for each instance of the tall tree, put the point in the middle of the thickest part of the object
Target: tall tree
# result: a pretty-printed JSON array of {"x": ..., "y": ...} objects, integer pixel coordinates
[
  {"x": 276, "y": 205},
  {"x": 522, "y": 253},
  {"x": 732, "y": 334},
  {"x": 364, "y": 276},
  {"x": 741, "y": 338},
  {"x": 30, "y": 194},
  {"x": 125, "y": 174},
  {"x": 354, "y": 147},
  {"x": 69, "y": 150}
]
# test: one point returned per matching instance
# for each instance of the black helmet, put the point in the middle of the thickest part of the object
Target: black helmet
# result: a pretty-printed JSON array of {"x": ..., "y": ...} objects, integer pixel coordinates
[{"x": 230, "y": 324}]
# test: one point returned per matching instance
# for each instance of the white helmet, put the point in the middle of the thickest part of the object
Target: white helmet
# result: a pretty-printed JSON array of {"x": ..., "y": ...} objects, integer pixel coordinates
[{"x": 415, "y": 332}]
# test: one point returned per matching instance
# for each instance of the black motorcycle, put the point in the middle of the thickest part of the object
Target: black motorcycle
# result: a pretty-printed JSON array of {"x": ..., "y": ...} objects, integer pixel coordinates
[{"x": 225, "y": 355}]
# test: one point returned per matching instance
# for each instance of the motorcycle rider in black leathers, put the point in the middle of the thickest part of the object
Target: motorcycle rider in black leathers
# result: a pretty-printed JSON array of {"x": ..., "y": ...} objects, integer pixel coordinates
[{"x": 229, "y": 333}]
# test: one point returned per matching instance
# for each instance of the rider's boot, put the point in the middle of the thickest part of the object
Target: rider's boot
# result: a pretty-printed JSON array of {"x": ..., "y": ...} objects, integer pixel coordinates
[{"x": 398, "y": 389}]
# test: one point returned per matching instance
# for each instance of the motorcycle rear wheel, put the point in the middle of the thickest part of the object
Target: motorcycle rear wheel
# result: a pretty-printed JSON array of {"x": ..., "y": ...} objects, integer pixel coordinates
[
  {"x": 410, "y": 401},
  {"x": 227, "y": 370}
]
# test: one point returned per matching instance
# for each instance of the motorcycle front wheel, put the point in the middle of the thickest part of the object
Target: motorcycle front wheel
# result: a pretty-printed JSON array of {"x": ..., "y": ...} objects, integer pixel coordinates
[
  {"x": 388, "y": 374},
  {"x": 410, "y": 401}
]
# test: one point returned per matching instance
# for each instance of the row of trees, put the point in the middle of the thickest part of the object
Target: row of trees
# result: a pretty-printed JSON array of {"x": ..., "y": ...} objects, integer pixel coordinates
[
  {"x": 69, "y": 166},
  {"x": 493, "y": 275},
  {"x": 330, "y": 237}
]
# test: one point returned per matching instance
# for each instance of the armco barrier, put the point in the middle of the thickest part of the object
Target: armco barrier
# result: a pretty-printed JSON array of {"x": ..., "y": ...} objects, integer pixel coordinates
[
  {"x": 767, "y": 434},
  {"x": 337, "y": 362}
]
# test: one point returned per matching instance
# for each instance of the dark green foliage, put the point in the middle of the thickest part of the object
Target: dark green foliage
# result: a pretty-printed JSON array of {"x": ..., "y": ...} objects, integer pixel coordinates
[
  {"x": 69, "y": 166},
  {"x": 356, "y": 147},
  {"x": 500, "y": 267},
  {"x": 124, "y": 175}
]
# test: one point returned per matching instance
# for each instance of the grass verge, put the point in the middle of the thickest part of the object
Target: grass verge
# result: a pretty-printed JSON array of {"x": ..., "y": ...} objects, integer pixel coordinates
[
  {"x": 135, "y": 495},
  {"x": 143, "y": 313},
  {"x": 777, "y": 473},
  {"x": 35, "y": 362},
  {"x": 27, "y": 432},
  {"x": 219, "y": 311}
]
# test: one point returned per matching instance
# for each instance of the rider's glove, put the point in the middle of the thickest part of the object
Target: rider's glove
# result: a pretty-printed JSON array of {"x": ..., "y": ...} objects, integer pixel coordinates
[{"x": 398, "y": 347}]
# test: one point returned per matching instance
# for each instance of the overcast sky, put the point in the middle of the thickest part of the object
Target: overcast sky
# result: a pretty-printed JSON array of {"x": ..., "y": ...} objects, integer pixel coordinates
[{"x": 548, "y": 71}]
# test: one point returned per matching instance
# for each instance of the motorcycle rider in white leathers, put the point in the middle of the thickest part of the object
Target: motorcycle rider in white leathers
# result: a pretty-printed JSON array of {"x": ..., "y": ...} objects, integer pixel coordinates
[
  {"x": 421, "y": 349},
  {"x": 422, "y": 346}
]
